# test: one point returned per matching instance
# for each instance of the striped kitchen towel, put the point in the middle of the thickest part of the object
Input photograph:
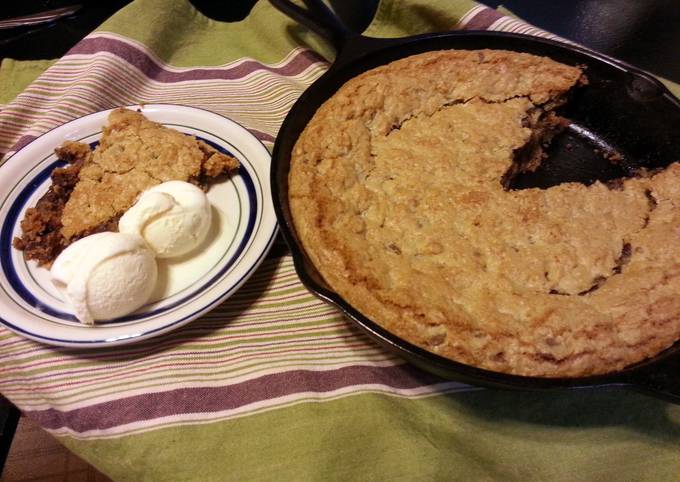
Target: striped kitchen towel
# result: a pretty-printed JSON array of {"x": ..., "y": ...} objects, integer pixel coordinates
[{"x": 275, "y": 384}]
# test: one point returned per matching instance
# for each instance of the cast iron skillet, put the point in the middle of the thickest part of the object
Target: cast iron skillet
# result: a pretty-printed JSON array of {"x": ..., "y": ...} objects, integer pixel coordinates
[{"x": 623, "y": 110}]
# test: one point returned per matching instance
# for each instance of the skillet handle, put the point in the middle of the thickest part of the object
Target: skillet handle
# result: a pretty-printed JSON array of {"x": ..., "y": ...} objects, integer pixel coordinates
[
  {"x": 662, "y": 380},
  {"x": 319, "y": 18}
]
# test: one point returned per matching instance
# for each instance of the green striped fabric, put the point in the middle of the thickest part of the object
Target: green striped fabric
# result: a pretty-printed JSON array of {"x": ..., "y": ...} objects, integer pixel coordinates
[{"x": 275, "y": 384}]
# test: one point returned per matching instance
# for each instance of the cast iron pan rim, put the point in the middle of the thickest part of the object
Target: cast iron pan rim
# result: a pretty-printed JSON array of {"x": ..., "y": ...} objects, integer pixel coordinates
[{"x": 632, "y": 376}]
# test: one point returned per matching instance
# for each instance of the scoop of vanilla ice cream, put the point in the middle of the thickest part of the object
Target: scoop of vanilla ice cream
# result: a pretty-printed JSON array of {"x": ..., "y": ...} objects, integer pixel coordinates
[
  {"x": 172, "y": 217},
  {"x": 105, "y": 275}
]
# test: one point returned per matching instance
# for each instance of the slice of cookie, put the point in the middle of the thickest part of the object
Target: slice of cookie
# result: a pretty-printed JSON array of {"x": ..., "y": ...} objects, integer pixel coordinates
[{"x": 91, "y": 193}]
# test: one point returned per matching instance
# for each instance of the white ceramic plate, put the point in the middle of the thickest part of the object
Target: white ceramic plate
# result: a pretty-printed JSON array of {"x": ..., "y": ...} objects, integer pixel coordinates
[{"x": 242, "y": 234}]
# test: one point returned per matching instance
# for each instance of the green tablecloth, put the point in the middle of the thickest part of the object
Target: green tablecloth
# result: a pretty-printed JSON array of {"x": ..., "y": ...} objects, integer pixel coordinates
[{"x": 274, "y": 384}]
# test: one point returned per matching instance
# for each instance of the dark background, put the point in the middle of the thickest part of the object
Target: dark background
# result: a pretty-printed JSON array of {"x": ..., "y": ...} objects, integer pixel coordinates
[{"x": 645, "y": 33}]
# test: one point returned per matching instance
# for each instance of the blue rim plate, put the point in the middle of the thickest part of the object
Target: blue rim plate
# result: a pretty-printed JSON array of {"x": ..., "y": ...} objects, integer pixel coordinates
[{"x": 31, "y": 306}]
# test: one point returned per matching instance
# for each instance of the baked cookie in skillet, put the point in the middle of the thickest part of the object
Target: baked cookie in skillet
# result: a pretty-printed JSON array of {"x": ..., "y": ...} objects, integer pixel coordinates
[{"x": 398, "y": 192}]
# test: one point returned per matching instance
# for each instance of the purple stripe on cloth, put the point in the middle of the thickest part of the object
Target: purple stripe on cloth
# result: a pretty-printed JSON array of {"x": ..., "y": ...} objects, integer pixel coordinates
[
  {"x": 151, "y": 406},
  {"x": 23, "y": 142},
  {"x": 263, "y": 136},
  {"x": 158, "y": 72},
  {"x": 483, "y": 19}
]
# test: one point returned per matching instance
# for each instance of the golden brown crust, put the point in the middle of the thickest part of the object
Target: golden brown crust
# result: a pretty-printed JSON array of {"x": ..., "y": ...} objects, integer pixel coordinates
[
  {"x": 395, "y": 189},
  {"x": 133, "y": 155}
]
